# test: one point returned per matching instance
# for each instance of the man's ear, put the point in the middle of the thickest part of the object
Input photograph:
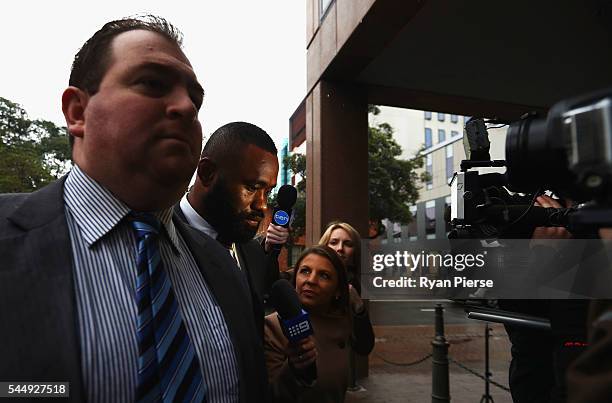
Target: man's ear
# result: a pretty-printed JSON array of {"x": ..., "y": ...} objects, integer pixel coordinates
[
  {"x": 207, "y": 171},
  {"x": 74, "y": 102}
]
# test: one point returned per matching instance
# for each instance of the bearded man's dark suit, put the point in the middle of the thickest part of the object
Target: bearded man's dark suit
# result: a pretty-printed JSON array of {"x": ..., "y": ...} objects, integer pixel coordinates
[
  {"x": 261, "y": 268},
  {"x": 39, "y": 338}
]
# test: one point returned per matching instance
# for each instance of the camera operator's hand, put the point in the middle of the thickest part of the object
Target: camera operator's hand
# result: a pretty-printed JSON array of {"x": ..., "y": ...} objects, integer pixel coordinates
[
  {"x": 547, "y": 202},
  {"x": 543, "y": 233}
]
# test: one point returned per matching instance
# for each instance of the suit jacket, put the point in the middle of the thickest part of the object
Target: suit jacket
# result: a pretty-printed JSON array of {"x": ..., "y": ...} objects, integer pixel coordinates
[
  {"x": 261, "y": 268},
  {"x": 39, "y": 339}
]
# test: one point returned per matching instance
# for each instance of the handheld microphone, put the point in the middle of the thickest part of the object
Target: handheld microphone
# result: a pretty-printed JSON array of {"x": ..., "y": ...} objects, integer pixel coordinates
[
  {"x": 294, "y": 321},
  {"x": 286, "y": 197}
]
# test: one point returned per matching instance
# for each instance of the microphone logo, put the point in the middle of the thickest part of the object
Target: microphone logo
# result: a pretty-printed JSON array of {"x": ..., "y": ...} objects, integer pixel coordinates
[
  {"x": 281, "y": 217},
  {"x": 297, "y": 328}
]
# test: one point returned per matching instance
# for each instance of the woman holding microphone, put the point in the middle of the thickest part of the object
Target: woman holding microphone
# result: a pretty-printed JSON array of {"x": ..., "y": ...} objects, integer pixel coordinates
[{"x": 340, "y": 325}]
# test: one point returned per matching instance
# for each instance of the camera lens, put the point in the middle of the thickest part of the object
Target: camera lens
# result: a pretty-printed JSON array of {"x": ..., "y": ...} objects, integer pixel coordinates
[{"x": 535, "y": 157}]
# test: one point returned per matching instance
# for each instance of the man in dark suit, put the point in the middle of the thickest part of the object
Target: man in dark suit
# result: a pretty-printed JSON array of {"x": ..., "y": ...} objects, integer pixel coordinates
[
  {"x": 100, "y": 285},
  {"x": 236, "y": 173}
]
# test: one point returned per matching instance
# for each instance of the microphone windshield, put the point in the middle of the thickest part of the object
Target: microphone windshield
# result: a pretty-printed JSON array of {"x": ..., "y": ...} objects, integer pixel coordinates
[
  {"x": 287, "y": 195},
  {"x": 284, "y": 299}
]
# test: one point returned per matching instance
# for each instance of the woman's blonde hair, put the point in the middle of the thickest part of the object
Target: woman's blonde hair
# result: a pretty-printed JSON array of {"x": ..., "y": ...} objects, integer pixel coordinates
[{"x": 355, "y": 237}]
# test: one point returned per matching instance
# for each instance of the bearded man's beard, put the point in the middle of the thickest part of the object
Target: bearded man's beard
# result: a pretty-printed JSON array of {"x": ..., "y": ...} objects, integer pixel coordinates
[{"x": 229, "y": 223}]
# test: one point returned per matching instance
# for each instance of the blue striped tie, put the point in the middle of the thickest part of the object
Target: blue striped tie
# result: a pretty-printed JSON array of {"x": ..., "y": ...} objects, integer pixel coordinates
[{"x": 168, "y": 369}]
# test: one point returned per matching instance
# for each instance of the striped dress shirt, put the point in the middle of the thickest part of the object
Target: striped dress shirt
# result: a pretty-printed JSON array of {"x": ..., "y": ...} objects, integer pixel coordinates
[{"x": 104, "y": 252}]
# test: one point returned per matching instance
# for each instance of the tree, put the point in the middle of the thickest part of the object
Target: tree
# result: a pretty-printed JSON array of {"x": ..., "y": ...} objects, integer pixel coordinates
[
  {"x": 373, "y": 109},
  {"x": 297, "y": 165},
  {"x": 32, "y": 152},
  {"x": 393, "y": 183}
]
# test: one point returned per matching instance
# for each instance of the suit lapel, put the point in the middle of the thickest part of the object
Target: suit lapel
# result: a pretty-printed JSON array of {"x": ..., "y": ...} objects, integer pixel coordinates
[
  {"x": 216, "y": 265},
  {"x": 250, "y": 262},
  {"x": 258, "y": 310},
  {"x": 44, "y": 287},
  {"x": 222, "y": 275},
  {"x": 179, "y": 212}
]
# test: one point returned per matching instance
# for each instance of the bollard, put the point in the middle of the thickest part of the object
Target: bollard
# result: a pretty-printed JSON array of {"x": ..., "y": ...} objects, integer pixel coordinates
[
  {"x": 440, "y": 391},
  {"x": 486, "y": 398},
  {"x": 353, "y": 386},
  {"x": 352, "y": 381}
]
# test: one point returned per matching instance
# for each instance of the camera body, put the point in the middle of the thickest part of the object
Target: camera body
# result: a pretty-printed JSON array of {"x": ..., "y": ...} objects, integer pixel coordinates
[{"x": 569, "y": 152}]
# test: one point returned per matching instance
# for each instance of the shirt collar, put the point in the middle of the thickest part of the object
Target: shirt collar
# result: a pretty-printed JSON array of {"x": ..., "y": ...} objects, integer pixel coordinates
[
  {"x": 196, "y": 220},
  {"x": 97, "y": 211}
]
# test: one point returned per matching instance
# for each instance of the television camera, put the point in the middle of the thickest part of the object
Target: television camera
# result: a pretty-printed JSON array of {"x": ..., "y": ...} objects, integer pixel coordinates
[{"x": 569, "y": 152}]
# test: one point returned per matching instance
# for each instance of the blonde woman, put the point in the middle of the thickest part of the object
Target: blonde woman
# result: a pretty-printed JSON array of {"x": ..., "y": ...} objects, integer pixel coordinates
[{"x": 346, "y": 241}]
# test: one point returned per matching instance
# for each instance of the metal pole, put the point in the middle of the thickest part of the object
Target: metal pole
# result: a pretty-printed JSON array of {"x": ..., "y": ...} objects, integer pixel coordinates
[
  {"x": 352, "y": 384},
  {"x": 440, "y": 390},
  {"x": 487, "y": 397}
]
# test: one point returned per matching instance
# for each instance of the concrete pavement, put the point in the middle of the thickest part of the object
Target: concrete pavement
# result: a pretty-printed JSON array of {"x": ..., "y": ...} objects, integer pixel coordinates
[{"x": 392, "y": 380}]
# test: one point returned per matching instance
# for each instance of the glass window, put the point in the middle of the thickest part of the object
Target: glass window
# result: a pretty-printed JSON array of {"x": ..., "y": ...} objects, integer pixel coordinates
[
  {"x": 440, "y": 117},
  {"x": 427, "y": 115},
  {"x": 294, "y": 252},
  {"x": 428, "y": 138},
  {"x": 454, "y": 118},
  {"x": 447, "y": 206},
  {"x": 412, "y": 225},
  {"x": 454, "y": 133},
  {"x": 430, "y": 219},
  {"x": 450, "y": 169},
  {"x": 441, "y": 135},
  {"x": 323, "y": 6},
  {"x": 429, "y": 169},
  {"x": 396, "y": 231}
]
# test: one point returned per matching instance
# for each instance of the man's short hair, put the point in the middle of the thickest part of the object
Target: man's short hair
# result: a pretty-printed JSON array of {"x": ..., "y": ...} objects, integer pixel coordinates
[
  {"x": 232, "y": 137},
  {"x": 93, "y": 59}
]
